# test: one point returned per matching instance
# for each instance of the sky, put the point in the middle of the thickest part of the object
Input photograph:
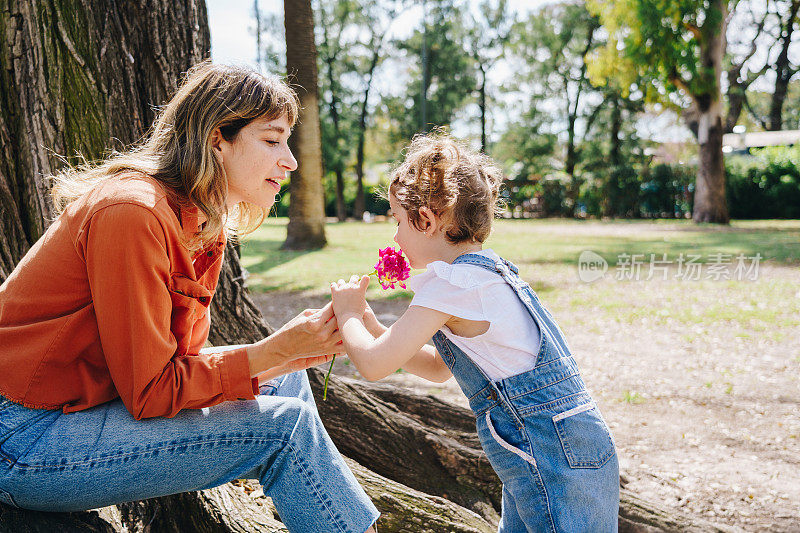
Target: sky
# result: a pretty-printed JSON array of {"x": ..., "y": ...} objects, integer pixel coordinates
[{"x": 233, "y": 41}]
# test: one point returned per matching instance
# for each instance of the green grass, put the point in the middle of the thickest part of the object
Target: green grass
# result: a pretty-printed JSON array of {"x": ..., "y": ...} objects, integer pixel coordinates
[
  {"x": 537, "y": 247},
  {"x": 632, "y": 397}
]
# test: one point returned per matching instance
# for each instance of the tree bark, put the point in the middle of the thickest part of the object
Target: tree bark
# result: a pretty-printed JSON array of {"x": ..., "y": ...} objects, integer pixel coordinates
[
  {"x": 306, "y": 228},
  {"x": 710, "y": 204}
]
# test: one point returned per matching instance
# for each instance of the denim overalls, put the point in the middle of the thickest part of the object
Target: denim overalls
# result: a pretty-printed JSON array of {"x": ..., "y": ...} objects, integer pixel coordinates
[{"x": 541, "y": 430}]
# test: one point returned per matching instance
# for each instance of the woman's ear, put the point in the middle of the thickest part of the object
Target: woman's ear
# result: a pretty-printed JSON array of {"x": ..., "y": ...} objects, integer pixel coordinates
[
  {"x": 429, "y": 223},
  {"x": 216, "y": 140}
]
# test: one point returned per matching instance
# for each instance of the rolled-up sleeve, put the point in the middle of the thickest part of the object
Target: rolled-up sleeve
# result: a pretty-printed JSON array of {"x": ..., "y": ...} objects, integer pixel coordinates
[{"x": 128, "y": 270}]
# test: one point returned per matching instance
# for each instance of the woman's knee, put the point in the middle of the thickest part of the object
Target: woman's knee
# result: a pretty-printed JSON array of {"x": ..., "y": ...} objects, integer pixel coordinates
[
  {"x": 296, "y": 384},
  {"x": 291, "y": 416}
]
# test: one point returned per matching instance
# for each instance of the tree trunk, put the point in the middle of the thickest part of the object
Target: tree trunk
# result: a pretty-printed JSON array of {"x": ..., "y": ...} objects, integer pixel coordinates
[
  {"x": 306, "y": 229},
  {"x": 482, "y": 104},
  {"x": 710, "y": 204},
  {"x": 783, "y": 69},
  {"x": 361, "y": 203}
]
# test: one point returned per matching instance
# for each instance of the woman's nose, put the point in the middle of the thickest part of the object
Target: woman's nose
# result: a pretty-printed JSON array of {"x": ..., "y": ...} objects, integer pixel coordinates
[{"x": 288, "y": 161}]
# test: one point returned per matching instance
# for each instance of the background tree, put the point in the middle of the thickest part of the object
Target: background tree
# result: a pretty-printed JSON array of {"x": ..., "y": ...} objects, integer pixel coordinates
[
  {"x": 306, "y": 228},
  {"x": 783, "y": 67},
  {"x": 556, "y": 90},
  {"x": 748, "y": 30},
  {"x": 678, "y": 47},
  {"x": 334, "y": 19},
  {"x": 445, "y": 74},
  {"x": 488, "y": 36},
  {"x": 376, "y": 16}
]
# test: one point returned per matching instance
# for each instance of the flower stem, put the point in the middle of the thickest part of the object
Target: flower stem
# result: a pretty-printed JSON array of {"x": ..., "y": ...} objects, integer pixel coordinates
[{"x": 325, "y": 392}]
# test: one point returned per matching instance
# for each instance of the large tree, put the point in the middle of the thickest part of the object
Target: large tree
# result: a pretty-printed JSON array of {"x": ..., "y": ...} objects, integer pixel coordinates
[
  {"x": 306, "y": 227},
  {"x": 72, "y": 78},
  {"x": 677, "y": 47}
]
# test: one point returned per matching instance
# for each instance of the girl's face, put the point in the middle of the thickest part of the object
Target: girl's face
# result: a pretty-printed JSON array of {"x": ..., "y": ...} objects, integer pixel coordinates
[
  {"x": 256, "y": 161},
  {"x": 414, "y": 243}
]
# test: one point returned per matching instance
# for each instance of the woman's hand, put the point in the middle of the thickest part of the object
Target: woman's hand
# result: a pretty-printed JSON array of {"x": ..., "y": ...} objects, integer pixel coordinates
[
  {"x": 306, "y": 340},
  {"x": 348, "y": 298},
  {"x": 295, "y": 365}
]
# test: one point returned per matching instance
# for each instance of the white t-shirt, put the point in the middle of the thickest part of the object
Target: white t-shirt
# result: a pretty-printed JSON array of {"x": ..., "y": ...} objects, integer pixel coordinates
[{"x": 511, "y": 343}]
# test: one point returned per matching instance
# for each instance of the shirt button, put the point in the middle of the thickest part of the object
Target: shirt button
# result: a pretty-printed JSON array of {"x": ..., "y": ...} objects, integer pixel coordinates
[
  {"x": 210, "y": 254},
  {"x": 203, "y": 299}
]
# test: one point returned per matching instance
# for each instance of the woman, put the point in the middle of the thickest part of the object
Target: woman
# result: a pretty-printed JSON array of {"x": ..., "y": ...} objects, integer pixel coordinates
[{"x": 107, "y": 395}]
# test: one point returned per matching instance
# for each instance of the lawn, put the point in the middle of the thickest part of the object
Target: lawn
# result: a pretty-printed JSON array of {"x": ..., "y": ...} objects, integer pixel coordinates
[{"x": 536, "y": 246}]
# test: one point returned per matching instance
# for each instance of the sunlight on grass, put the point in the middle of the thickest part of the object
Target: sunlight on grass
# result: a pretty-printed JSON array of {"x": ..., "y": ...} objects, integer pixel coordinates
[{"x": 533, "y": 245}]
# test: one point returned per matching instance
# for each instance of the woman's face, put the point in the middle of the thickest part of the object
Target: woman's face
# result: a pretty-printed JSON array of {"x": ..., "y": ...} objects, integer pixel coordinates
[{"x": 256, "y": 161}]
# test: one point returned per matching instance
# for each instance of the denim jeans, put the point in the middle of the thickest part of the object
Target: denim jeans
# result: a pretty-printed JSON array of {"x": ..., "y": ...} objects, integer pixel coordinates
[
  {"x": 541, "y": 430},
  {"x": 53, "y": 461}
]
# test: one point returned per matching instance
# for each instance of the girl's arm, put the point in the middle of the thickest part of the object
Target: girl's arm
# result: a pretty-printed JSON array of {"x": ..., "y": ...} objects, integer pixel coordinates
[
  {"x": 401, "y": 345},
  {"x": 426, "y": 363}
]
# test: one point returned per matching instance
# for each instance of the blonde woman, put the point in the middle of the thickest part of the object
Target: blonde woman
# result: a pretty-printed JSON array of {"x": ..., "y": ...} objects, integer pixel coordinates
[{"x": 107, "y": 395}]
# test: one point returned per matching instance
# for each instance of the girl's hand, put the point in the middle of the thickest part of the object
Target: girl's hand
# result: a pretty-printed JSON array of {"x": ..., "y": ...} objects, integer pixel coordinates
[
  {"x": 372, "y": 323},
  {"x": 349, "y": 297}
]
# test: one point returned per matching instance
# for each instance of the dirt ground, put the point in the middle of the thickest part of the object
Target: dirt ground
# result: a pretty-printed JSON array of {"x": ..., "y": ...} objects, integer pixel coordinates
[{"x": 706, "y": 420}]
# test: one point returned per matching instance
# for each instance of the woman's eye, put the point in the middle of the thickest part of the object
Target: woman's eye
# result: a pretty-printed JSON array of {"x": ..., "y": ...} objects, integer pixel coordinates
[{"x": 273, "y": 143}]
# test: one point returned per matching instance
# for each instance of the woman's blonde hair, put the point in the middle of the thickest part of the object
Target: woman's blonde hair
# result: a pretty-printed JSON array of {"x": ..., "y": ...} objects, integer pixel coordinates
[
  {"x": 177, "y": 150},
  {"x": 455, "y": 182}
]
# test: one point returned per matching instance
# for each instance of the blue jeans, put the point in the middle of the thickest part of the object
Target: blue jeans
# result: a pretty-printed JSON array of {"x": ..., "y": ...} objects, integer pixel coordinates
[{"x": 101, "y": 456}]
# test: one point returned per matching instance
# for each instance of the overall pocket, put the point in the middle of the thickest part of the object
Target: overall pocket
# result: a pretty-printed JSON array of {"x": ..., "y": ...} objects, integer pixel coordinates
[
  {"x": 495, "y": 433},
  {"x": 584, "y": 436}
]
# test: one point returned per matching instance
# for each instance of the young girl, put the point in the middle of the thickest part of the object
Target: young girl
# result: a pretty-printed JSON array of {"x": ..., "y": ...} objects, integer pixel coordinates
[{"x": 539, "y": 427}]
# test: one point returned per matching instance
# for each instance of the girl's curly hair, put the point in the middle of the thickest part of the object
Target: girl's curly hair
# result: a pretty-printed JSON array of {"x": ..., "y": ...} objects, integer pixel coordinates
[{"x": 452, "y": 180}]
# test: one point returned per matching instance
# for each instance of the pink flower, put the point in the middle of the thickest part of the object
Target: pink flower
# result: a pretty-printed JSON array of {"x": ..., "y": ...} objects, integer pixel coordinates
[{"x": 391, "y": 268}]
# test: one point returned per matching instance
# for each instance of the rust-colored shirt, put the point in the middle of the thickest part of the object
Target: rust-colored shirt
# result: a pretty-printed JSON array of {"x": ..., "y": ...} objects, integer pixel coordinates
[{"x": 110, "y": 303}]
